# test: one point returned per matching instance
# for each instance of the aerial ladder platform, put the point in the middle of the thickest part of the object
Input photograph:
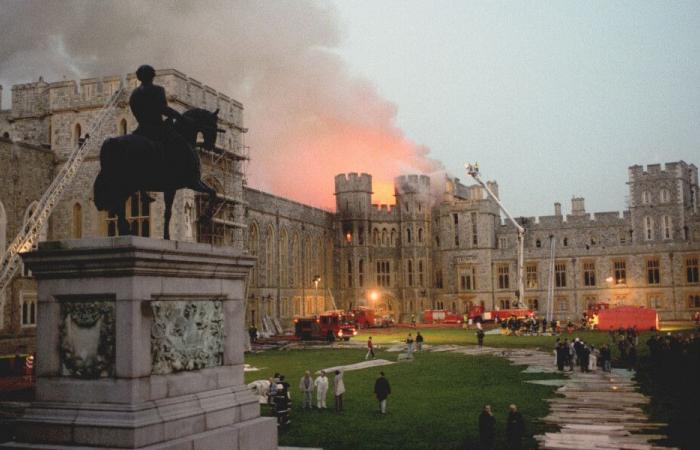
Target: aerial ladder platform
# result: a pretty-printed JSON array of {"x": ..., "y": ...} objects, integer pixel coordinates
[
  {"x": 30, "y": 230},
  {"x": 473, "y": 171}
]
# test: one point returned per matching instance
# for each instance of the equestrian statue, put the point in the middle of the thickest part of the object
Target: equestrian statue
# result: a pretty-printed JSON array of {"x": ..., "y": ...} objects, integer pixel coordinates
[{"x": 159, "y": 156}]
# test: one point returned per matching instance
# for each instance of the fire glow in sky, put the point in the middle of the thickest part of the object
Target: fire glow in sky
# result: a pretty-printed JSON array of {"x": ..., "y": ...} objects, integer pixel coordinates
[{"x": 308, "y": 117}]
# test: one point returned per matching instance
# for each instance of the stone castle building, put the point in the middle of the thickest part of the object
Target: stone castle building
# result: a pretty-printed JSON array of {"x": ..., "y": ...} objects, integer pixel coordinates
[{"x": 443, "y": 247}]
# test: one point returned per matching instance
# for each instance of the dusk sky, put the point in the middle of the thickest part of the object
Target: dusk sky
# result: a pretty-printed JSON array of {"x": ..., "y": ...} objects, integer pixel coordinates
[{"x": 553, "y": 99}]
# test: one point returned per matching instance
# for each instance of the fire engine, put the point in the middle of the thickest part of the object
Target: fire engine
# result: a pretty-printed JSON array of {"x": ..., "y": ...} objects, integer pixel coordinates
[
  {"x": 441, "y": 316},
  {"x": 478, "y": 314},
  {"x": 329, "y": 325},
  {"x": 603, "y": 317}
]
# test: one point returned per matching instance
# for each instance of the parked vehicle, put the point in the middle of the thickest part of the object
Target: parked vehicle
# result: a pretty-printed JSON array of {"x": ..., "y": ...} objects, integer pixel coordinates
[
  {"x": 628, "y": 316},
  {"x": 330, "y": 325},
  {"x": 478, "y": 313},
  {"x": 432, "y": 316}
]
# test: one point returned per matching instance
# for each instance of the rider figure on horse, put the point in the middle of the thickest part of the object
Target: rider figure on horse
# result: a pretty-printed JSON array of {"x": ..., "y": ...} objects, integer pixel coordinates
[{"x": 148, "y": 105}]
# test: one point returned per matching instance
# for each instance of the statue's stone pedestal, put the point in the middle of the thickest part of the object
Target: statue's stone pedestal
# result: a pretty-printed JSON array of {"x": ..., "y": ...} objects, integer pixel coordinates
[{"x": 140, "y": 345}]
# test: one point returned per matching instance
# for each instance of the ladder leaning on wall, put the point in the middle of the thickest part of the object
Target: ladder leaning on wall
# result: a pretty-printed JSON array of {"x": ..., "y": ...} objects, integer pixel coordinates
[{"x": 30, "y": 230}]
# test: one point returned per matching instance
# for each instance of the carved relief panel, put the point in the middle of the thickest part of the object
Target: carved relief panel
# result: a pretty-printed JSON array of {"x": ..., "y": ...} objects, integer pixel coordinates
[
  {"x": 186, "y": 335},
  {"x": 87, "y": 339}
]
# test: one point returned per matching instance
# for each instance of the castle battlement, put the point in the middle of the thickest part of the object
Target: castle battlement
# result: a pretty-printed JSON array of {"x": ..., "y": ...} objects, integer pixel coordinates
[
  {"x": 383, "y": 212},
  {"x": 669, "y": 169},
  {"x": 40, "y": 98},
  {"x": 412, "y": 184},
  {"x": 353, "y": 182}
]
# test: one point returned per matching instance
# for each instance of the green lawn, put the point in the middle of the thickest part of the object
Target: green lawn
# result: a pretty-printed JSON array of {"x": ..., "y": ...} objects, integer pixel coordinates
[
  {"x": 460, "y": 336},
  {"x": 434, "y": 404}
]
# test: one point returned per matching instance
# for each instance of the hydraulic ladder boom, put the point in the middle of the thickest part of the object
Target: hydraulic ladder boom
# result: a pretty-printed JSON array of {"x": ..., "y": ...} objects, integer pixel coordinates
[
  {"x": 473, "y": 170},
  {"x": 30, "y": 230}
]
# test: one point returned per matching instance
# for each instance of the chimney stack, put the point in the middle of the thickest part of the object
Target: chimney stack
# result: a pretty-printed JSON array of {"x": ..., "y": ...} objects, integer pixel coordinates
[
  {"x": 557, "y": 209},
  {"x": 577, "y": 206}
]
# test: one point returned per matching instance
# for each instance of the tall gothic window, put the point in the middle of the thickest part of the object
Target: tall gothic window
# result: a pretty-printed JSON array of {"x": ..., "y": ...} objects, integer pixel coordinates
[
  {"x": 531, "y": 276},
  {"x": 653, "y": 272},
  {"x": 270, "y": 257},
  {"x": 560, "y": 274},
  {"x": 620, "y": 271},
  {"x": 284, "y": 258},
  {"x": 77, "y": 225},
  {"x": 668, "y": 231},
  {"x": 253, "y": 246},
  {"x": 648, "y": 228},
  {"x": 589, "y": 273},
  {"x": 503, "y": 277},
  {"x": 295, "y": 274}
]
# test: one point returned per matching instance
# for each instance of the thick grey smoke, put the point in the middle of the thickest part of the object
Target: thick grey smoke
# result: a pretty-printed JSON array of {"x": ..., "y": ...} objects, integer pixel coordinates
[{"x": 308, "y": 118}]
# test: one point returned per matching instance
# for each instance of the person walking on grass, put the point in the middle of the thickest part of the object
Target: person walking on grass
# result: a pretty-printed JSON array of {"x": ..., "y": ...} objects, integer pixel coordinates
[
  {"x": 419, "y": 342},
  {"x": 409, "y": 346},
  {"x": 338, "y": 390},
  {"x": 382, "y": 391},
  {"x": 480, "y": 337},
  {"x": 370, "y": 349},
  {"x": 306, "y": 385},
  {"x": 515, "y": 428},
  {"x": 321, "y": 383},
  {"x": 487, "y": 428}
]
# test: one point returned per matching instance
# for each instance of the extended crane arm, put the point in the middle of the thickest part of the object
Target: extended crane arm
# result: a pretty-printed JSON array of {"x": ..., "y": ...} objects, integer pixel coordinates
[{"x": 473, "y": 171}]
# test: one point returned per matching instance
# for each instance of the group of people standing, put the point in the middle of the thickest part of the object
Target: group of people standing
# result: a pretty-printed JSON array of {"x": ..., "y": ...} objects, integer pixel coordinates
[
  {"x": 578, "y": 353},
  {"x": 515, "y": 428},
  {"x": 307, "y": 386}
]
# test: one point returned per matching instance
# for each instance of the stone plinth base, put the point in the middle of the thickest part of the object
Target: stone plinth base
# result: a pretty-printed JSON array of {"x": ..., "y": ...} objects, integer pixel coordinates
[{"x": 140, "y": 346}]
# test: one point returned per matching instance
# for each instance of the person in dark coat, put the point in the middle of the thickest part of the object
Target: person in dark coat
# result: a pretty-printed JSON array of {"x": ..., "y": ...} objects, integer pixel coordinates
[
  {"x": 487, "y": 428},
  {"x": 562, "y": 354},
  {"x": 480, "y": 337},
  {"x": 382, "y": 389},
  {"x": 515, "y": 428}
]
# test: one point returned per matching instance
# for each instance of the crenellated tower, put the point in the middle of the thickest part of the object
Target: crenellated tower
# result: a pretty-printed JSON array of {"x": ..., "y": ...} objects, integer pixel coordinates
[{"x": 353, "y": 195}]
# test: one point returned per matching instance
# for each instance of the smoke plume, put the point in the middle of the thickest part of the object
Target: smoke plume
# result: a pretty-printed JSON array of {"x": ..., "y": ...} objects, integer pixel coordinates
[{"x": 309, "y": 119}]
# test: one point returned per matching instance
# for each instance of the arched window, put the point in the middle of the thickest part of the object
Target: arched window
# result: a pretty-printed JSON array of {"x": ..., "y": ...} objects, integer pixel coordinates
[
  {"x": 393, "y": 237},
  {"x": 253, "y": 245},
  {"x": 375, "y": 237},
  {"x": 385, "y": 237},
  {"x": 668, "y": 230},
  {"x": 565, "y": 242},
  {"x": 77, "y": 132},
  {"x": 420, "y": 235},
  {"x": 409, "y": 267},
  {"x": 270, "y": 256},
  {"x": 646, "y": 198},
  {"x": 538, "y": 243},
  {"x": 648, "y": 228},
  {"x": 664, "y": 196},
  {"x": 295, "y": 275},
  {"x": 361, "y": 272},
  {"x": 284, "y": 258},
  {"x": 308, "y": 261},
  {"x": 408, "y": 235},
  {"x": 122, "y": 127},
  {"x": 420, "y": 273},
  {"x": 77, "y": 229}
]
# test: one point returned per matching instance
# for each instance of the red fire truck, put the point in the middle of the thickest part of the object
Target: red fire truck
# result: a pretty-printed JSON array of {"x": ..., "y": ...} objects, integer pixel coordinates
[
  {"x": 441, "y": 316},
  {"x": 330, "y": 325},
  {"x": 363, "y": 317},
  {"x": 478, "y": 314},
  {"x": 603, "y": 317}
]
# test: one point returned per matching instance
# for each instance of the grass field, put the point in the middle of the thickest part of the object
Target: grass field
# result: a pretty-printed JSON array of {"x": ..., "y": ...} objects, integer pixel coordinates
[
  {"x": 460, "y": 336},
  {"x": 434, "y": 404}
]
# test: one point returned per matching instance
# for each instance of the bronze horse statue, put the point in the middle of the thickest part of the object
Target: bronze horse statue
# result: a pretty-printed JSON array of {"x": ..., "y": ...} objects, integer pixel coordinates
[{"x": 133, "y": 163}]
